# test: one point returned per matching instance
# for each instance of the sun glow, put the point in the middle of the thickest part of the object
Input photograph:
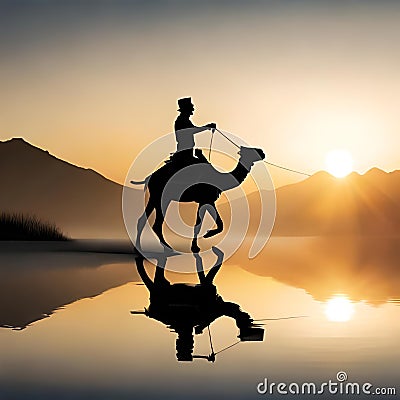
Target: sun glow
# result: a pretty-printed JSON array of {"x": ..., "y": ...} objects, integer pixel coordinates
[
  {"x": 339, "y": 163},
  {"x": 339, "y": 309}
]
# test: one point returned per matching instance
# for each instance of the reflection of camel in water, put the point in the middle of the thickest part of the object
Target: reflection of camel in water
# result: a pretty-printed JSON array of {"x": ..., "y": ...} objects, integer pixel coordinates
[
  {"x": 184, "y": 307},
  {"x": 200, "y": 183}
]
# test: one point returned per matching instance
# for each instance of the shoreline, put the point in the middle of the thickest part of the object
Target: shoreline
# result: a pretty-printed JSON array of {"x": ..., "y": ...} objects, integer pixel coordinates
[{"x": 109, "y": 246}]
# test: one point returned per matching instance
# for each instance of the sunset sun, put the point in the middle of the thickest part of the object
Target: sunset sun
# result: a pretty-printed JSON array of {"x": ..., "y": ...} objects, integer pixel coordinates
[{"x": 339, "y": 163}]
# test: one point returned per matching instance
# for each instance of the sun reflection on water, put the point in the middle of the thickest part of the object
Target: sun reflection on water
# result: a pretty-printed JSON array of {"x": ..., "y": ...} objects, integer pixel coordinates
[{"x": 339, "y": 308}]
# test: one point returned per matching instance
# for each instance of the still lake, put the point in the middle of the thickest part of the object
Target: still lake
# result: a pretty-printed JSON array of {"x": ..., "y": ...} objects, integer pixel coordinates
[{"x": 68, "y": 332}]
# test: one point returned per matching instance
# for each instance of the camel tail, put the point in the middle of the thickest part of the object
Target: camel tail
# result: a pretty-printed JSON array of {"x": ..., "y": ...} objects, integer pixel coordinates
[{"x": 143, "y": 182}]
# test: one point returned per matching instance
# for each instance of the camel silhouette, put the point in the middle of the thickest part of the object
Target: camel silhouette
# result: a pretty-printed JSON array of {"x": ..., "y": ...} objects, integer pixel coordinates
[
  {"x": 185, "y": 307},
  {"x": 200, "y": 183}
]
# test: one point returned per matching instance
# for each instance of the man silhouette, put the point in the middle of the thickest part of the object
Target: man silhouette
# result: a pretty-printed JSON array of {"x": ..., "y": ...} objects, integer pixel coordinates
[{"x": 185, "y": 131}]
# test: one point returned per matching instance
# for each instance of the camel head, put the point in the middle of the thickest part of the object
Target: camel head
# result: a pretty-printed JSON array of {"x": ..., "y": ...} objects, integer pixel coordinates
[{"x": 249, "y": 155}]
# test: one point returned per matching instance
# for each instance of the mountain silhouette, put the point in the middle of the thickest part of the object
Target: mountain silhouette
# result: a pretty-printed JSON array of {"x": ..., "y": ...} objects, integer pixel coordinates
[
  {"x": 323, "y": 205},
  {"x": 83, "y": 203},
  {"x": 365, "y": 205}
]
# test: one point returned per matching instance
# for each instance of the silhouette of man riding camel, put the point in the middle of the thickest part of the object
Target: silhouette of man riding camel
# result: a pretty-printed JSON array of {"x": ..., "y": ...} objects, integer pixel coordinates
[
  {"x": 191, "y": 308},
  {"x": 188, "y": 177},
  {"x": 184, "y": 134}
]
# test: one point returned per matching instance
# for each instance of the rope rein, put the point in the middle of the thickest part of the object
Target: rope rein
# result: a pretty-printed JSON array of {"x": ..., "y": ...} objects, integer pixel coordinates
[
  {"x": 266, "y": 162},
  {"x": 278, "y": 319},
  {"x": 209, "y": 336},
  {"x": 228, "y": 347},
  {"x": 220, "y": 351},
  {"x": 235, "y": 343},
  {"x": 211, "y": 142}
]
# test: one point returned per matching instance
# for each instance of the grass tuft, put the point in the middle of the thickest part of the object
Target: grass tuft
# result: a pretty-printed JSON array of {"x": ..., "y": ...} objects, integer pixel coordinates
[{"x": 27, "y": 227}]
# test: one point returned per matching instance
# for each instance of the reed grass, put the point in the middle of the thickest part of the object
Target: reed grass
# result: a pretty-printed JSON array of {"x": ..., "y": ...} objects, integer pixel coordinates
[{"x": 18, "y": 226}]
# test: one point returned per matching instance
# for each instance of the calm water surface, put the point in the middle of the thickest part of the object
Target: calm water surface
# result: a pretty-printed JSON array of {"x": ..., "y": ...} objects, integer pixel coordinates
[{"x": 79, "y": 339}]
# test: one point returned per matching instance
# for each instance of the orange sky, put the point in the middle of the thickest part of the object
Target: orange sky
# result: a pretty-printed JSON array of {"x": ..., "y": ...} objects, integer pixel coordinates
[{"x": 95, "y": 84}]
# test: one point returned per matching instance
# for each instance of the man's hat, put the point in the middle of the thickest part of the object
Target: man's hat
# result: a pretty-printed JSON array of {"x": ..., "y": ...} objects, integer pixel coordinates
[{"x": 185, "y": 103}]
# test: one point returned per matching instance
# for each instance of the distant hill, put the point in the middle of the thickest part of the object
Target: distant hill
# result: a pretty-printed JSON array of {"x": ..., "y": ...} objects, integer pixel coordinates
[
  {"x": 85, "y": 204},
  {"x": 366, "y": 204},
  {"x": 80, "y": 201}
]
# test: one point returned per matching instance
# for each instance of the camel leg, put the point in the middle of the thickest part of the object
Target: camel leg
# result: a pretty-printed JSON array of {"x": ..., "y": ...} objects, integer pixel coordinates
[
  {"x": 159, "y": 277},
  {"x": 143, "y": 274},
  {"x": 200, "y": 268},
  {"x": 158, "y": 225},
  {"x": 142, "y": 221},
  {"x": 218, "y": 220},
  {"x": 201, "y": 210}
]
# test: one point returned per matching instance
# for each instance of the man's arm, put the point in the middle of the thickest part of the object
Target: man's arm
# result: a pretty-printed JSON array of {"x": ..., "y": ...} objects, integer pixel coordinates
[
  {"x": 198, "y": 129},
  {"x": 193, "y": 129}
]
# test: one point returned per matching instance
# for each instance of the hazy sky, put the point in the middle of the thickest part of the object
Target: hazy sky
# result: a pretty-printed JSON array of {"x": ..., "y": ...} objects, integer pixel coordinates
[{"x": 96, "y": 81}]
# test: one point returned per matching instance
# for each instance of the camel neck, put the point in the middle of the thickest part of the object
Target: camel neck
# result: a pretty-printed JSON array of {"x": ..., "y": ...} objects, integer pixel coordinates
[{"x": 240, "y": 172}]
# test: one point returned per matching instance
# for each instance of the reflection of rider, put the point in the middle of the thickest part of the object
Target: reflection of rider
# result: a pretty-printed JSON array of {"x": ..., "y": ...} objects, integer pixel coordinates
[
  {"x": 183, "y": 307},
  {"x": 185, "y": 131}
]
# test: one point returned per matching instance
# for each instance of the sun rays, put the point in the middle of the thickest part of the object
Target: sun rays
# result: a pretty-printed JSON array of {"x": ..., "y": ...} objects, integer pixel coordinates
[{"x": 339, "y": 163}]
